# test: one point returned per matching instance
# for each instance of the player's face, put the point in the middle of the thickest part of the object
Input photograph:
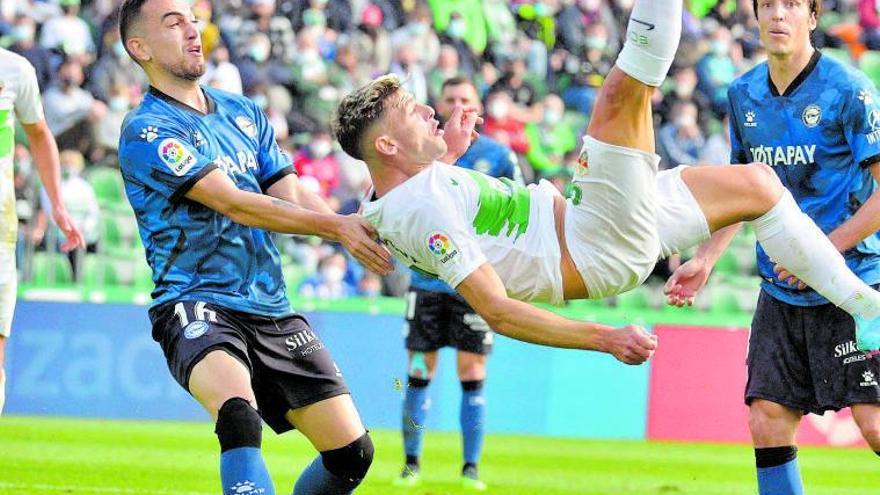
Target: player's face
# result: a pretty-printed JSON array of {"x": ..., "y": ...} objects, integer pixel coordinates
[
  {"x": 413, "y": 126},
  {"x": 785, "y": 25},
  {"x": 171, "y": 35},
  {"x": 463, "y": 95}
]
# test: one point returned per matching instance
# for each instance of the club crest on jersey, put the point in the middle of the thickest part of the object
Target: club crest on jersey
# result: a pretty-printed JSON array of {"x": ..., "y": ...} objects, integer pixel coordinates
[
  {"x": 246, "y": 125},
  {"x": 812, "y": 116},
  {"x": 442, "y": 246},
  {"x": 866, "y": 97},
  {"x": 176, "y": 156},
  {"x": 750, "y": 119},
  {"x": 583, "y": 164},
  {"x": 874, "y": 119},
  {"x": 149, "y": 133}
]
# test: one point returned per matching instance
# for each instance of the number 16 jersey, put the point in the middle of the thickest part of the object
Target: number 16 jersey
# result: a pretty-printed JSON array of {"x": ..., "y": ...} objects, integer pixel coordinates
[{"x": 446, "y": 222}]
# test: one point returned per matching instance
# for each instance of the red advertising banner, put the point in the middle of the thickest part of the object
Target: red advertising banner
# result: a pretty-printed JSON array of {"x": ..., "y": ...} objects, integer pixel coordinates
[{"x": 696, "y": 391}]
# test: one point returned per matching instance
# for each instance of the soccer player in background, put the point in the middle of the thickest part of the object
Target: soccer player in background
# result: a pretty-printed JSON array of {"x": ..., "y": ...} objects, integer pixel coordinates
[
  {"x": 816, "y": 121},
  {"x": 207, "y": 180},
  {"x": 20, "y": 98},
  {"x": 498, "y": 244},
  {"x": 437, "y": 317}
]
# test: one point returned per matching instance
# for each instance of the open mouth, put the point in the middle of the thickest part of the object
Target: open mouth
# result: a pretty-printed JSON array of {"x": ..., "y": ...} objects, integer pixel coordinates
[{"x": 195, "y": 50}]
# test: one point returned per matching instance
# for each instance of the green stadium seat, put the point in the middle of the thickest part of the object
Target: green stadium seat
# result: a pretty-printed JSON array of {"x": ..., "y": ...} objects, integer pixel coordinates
[
  {"x": 107, "y": 183},
  {"x": 870, "y": 65},
  {"x": 49, "y": 269}
]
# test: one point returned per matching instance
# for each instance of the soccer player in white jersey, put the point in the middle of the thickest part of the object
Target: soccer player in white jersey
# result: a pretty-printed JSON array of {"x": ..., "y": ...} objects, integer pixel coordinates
[
  {"x": 20, "y": 98},
  {"x": 497, "y": 243}
]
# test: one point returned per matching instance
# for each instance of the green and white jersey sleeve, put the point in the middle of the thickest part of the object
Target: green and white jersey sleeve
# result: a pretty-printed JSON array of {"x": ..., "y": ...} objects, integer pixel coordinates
[
  {"x": 447, "y": 221},
  {"x": 19, "y": 97}
]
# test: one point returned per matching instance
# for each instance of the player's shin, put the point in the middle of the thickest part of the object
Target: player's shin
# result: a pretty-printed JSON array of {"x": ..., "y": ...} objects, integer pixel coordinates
[
  {"x": 792, "y": 240},
  {"x": 338, "y": 471},
  {"x": 472, "y": 417},
  {"x": 242, "y": 469},
  {"x": 2, "y": 389},
  {"x": 652, "y": 37}
]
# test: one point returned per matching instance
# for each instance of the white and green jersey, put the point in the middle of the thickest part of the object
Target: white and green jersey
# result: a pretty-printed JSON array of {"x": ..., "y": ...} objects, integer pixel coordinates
[
  {"x": 19, "y": 96},
  {"x": 446, "y": 221}
]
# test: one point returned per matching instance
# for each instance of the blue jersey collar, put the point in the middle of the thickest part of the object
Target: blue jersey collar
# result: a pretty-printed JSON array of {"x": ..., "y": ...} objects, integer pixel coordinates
[
  {"x": 797, "y": 80},
  {"x": 183, "y": 106}
]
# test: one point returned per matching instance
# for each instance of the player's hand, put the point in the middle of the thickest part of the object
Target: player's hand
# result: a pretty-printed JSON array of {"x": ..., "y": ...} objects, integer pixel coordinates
[
  {"x": 359, "y": 237},
  {"x": 786, "y": 276},
  {"x": 459, "y": 132},
  {"x": 686, "y": 281},
  {"x": 632, "y": 344},
  {"x": 73, "y": 237}
]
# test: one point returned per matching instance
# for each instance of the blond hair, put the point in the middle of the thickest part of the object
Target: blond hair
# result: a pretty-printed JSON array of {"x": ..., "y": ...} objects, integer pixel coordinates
[{"x": 359, "y": 110}]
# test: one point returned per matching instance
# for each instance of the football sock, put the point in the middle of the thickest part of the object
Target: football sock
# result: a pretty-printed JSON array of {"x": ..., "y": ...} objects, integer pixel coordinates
[
  {"x": 415, "y": 411},
  {"x": 242, "y": 468},
  {"x": 652, "y": 37},
  {"x": 791, "y": 239},
  {"x": 2, "y": 390},
  {"x": 317, "y": 480},
  {"x": 778, "y": 472},
  {"x": 473, "y": 419}
]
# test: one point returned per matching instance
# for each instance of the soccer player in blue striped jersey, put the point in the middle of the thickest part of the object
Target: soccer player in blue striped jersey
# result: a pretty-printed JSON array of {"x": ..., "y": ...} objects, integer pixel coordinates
[
  {"x": 438, "y": 317},
  {"x": 207, "y": 180},
  {"x": 816, "y": 122}
]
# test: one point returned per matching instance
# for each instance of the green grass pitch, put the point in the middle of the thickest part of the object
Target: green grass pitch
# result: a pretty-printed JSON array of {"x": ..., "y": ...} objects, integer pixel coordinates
[{"x": 68, "y": 456}]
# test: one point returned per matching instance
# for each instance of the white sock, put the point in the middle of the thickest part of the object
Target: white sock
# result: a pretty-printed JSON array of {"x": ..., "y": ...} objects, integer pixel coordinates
[
  {"x": 652, "y": 37},
  {"x": 791, "y": 239}
]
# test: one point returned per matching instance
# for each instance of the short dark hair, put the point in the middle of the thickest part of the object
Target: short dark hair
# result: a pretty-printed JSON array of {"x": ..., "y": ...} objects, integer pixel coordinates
[
  {"x": 129, "y": 12},
  {"x": 815, "y": 8},
  {"x": 458, "y": 81},
  {"x": 359, "y": 110}
]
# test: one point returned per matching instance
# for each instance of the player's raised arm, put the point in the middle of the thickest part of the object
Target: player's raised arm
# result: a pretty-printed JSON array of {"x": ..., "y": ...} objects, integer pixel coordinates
[
  {"x": 216, "y": 191},
  {"x": 484, "y": 291}
]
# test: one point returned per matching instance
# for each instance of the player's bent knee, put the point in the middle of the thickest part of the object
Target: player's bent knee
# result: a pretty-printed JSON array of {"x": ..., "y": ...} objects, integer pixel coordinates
[
  {"x": 351, "y": 462},
  {"x": 238, "y": 425},
  {"x": 762, "y": 183}
]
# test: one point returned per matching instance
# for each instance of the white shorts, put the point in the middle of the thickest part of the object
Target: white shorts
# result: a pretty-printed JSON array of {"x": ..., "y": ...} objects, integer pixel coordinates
[
  {"x": 628, "y": 216},
  {"x": 8, "y": 286}
]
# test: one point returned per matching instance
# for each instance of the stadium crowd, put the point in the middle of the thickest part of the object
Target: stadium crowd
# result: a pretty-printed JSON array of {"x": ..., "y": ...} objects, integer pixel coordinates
[{"x": 537, "y": 64}]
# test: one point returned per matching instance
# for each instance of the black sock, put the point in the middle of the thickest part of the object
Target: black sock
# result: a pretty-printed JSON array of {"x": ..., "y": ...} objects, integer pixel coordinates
[
  {"x": 412, "y": 460},
  {"x": 774, "y": 456}
]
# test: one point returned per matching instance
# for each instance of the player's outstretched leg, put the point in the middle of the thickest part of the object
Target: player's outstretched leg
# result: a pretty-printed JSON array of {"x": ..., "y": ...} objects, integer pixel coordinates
[
  {"x": 622, "y": 113},
  {"x": 728, "y": 195},
  {"x": 415, "y": 411}
]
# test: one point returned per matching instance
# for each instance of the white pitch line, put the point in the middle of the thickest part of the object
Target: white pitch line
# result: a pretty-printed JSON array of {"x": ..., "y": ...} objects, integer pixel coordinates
[{"x": 94, "y": 489}]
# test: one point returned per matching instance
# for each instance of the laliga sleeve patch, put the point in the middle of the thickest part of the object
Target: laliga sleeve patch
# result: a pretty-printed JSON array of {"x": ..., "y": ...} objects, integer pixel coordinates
[
  {"x": 441, "y": 246},
  {"x": 175, "y": 156}
]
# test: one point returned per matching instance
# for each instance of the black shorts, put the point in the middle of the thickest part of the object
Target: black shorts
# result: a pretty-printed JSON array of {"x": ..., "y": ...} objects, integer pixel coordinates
[
  {"x": 435, "y": 320},
  {"x": 805, "y": 358},
  {"x": 290, "y": 366}
]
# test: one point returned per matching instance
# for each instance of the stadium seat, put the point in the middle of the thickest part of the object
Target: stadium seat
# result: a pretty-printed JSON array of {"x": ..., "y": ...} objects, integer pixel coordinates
[
  {"x": 107, "y": 183},
  {"x": 50, "y": 269},
  {"x": 870, "y": 65}
]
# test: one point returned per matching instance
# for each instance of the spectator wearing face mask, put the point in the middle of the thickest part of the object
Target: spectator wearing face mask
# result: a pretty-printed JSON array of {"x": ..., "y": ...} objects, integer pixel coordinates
[
  {"x": 114, "y": 67},
  {"x": 222, "y": 74},
  {"x": 418, "y": 34},
  {"x": 108, "y": 128},
  {"x": 500, "y": 125},
  {"x": 684, "y": 88},
  {"x": 550, "y": 139},
  {"x": 461, "y": 20},
  {"x": 716, "y": 70},
  {"x": 453, "y": 35},
  {"x": 253, "y": 65},
  {"x": 318, "y": 162},
  {"x": 22, "y": 36},
  {"x": 329, "y": 282},
  {"x": 70, "y": 110},
  {"x": 68, "y": 33},
  {"x": 680, "y": 139}
]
